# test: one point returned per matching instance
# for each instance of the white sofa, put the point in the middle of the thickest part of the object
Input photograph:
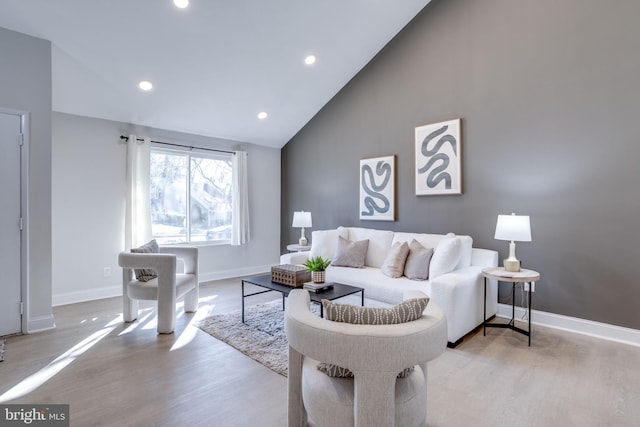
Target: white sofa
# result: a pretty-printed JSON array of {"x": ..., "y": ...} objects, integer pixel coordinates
[{"x": 459, "y": 293}]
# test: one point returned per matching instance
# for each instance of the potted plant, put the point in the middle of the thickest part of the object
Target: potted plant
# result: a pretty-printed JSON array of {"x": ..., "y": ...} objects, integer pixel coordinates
[{"x": 317, "y": 266}]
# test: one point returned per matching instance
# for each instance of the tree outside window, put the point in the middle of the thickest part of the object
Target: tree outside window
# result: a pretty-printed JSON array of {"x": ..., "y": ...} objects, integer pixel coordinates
[{"x": 202, "y": 183}]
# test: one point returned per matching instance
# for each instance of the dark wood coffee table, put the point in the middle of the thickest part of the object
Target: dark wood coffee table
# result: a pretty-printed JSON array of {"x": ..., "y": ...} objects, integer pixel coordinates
[{"x": 264, "y": 281}]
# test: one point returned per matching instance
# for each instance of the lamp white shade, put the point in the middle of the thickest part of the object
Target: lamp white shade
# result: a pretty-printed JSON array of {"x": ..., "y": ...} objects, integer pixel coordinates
[
  {"x": 301, "y": 219},
  {"x": 514, "y": 228}
]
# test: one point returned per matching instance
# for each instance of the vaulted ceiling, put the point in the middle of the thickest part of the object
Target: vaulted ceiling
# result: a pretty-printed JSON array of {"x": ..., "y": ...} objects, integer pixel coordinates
[{"x": 214, "y": 65}]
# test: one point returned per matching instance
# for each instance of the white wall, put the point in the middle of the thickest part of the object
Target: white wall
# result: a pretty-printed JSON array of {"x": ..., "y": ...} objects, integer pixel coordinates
[
  {"x": 25, "y": 86},
  {"x": 88, "y": 175}
]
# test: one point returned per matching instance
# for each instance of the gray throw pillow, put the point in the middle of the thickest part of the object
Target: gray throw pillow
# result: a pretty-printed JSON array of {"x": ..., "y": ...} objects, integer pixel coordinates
[
  {"x": 417, "y": 265},
  {"x": 406, "y": 311},
  {"x": 146, "y": 274},
  {"x": 350, "y": 254},
  {"x": 394, "y": 262}
]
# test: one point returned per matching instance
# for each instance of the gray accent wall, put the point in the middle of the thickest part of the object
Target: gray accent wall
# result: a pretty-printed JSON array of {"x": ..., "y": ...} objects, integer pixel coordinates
[
  {"x": 25, "y": 86},
  {"x": 549, "y": 97}
]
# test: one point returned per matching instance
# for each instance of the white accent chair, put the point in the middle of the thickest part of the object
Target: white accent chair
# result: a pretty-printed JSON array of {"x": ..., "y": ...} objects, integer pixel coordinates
[
  {"x": 167, "y": 288},
  {"x": 374, "y": 353}
]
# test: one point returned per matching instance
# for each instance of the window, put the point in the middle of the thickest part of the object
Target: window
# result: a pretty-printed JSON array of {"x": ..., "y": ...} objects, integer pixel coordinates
[{"x": 190, "y": 196}]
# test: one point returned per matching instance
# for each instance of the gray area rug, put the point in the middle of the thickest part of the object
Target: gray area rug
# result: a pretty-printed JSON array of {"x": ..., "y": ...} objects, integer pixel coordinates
[
  {"x": 261, "y": 338},
  {"x": 3, "y": 348}
]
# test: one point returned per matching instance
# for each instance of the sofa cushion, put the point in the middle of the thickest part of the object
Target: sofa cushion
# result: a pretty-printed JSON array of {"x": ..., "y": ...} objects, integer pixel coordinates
[
  {"x": 445, "y": 257},
  {"x": 426, "y": 240},
  {"x": 377, "y": 286},
  {"x": 350, "y": 254},
  {"x": 325, "y": 242},
  {"x": 394, "y": 262},
  {"x": 418, "y": 260},
  {"x": 146, "y": 274},
  {"x": 379, "y": 243}
]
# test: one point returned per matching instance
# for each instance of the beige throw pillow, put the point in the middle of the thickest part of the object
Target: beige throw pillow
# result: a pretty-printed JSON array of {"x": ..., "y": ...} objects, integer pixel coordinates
[
  {"x": 394, "y": 262},
  {"x": 417, "y": 265},
  {"x": 350, "y": 254}
]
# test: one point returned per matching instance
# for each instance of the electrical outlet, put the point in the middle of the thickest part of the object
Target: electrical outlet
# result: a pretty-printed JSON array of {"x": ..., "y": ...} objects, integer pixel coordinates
[
  {"x": 526, "y": 287},
  {"x": 107, "y": 272},
  {"x": 530, "y": 287}
]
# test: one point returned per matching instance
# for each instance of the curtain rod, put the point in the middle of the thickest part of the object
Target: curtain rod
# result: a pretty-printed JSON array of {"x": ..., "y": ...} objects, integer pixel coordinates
[{"x": 126, "y": 138}]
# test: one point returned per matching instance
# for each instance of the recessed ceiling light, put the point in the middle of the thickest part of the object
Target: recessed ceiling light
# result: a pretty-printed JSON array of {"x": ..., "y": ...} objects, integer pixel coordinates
[
  {"x": 262, "y": 115},
  {"x": 181, "y": 3},
  {"x": 145, "y": 85},
  {"x": 310, "y": 60}
]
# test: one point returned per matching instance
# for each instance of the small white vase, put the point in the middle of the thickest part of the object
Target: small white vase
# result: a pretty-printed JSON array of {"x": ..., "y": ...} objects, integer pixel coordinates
[{"x": 317, "y": 276}]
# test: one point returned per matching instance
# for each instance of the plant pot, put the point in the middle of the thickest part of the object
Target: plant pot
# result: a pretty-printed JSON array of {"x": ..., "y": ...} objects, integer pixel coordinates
[{"x": 317, "y": 276}]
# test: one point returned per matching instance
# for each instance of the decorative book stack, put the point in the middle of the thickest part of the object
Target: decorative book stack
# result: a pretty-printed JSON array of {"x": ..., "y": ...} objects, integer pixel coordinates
[{"x": 317, "y": 287}]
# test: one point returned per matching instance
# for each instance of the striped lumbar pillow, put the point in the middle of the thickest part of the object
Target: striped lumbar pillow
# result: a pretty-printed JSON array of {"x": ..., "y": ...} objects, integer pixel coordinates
[
  {"x": 406, "y": 311},
  {"x": 338, "y": 372}
]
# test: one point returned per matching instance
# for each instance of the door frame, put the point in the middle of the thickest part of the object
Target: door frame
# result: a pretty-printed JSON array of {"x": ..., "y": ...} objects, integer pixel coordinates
[{"x": 24, "y": 210}]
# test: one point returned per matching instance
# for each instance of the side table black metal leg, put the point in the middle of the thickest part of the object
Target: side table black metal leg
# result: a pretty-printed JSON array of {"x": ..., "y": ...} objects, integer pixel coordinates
[
  {"x": 530, "y": 292},
  {"x": 242, "y": 301},
  {"x": 513, "y": 304},
  {"x": 321, "y": 310},
  {"x": 362, "y": 300},
  {"x": 484, "y": 313},
  {"x": 283, "y": 302}
]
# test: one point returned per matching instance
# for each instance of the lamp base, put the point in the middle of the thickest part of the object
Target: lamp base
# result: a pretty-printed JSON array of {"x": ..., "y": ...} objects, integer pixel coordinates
[
  {"x": 512, "y": 266},
  {"x": 303, "y": 241}
]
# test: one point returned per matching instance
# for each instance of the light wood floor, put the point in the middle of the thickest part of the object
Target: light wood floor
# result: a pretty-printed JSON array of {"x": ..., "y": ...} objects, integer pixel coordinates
[{"x": 115, "y": 374}]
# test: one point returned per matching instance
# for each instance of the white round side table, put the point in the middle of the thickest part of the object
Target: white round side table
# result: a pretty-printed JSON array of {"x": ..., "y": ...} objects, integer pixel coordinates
[{"x": 294, "y": 247}]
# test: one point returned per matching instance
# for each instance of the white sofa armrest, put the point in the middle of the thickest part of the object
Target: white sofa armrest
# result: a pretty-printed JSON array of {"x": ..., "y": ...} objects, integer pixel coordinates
[
  {"x": 294, "y": 258},
  {"x": 484, "y": 257},
  {"x": 463, "y": 288}
]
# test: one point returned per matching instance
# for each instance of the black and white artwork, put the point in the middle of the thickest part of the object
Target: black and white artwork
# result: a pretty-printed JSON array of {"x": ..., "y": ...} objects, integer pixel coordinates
[
  {"x": 438, "y": 159},
  {"x": 377, "y": 189}
]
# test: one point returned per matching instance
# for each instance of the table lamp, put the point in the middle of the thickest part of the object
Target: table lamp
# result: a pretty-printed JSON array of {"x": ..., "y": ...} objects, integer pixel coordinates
[
  {"x": 301, "y": 220},
  {"x": 514, "y": 228}
]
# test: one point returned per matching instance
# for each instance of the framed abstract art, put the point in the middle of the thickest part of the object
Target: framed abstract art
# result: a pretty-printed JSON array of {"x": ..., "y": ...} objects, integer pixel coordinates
[
  {"x": 438, "y": 166},
  {"x": 377, "y": 188}
]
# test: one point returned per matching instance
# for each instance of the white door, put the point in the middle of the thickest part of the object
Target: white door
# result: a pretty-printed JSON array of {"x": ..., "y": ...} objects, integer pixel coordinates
[{"x": 10, "y": 234}]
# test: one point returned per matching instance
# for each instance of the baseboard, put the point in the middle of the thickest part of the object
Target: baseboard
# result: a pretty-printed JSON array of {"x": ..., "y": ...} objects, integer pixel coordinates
[
  {"x": 573, "y": 324},
  {"x": 87, "y": 295},
  {"x": 40, "y": 323}
]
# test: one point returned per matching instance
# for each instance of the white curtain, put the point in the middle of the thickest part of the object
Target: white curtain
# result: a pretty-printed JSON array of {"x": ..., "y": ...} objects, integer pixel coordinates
[
  {"x": 137, "y": 226},
  {"x": 240, "y": 211}
]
